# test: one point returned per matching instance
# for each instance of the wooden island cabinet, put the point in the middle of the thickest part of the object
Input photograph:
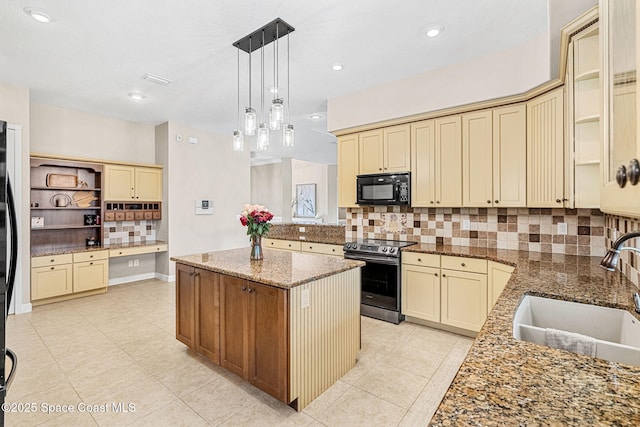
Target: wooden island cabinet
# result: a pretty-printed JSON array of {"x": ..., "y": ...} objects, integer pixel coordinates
[{"x": 289, "y": 324}]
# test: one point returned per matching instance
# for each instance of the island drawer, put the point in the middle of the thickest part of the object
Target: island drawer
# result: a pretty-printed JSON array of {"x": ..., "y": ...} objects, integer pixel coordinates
[
  {"x": 425, "y": 260},
  {"x": 90, "y": 256},
  {"x": 289, "y": 245},
  {"x": 473, "y": 265},
  {"x": 323, "y": 248},
  {"x": 44, "y": 261}
]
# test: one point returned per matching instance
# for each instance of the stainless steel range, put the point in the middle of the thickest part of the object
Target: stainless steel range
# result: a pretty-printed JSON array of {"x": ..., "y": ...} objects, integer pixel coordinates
[{"x": 380, "y": 288}]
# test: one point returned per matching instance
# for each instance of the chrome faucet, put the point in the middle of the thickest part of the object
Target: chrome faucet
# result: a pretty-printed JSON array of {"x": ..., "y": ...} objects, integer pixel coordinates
[{"x": 612, "y": 257}]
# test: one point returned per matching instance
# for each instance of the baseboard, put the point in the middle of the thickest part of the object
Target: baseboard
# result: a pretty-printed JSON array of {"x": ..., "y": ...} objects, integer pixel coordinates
[
  {"x": 166, "y": 277},
  {"x": 24, "y": 308},
  {"x": 134, "y": 278}
]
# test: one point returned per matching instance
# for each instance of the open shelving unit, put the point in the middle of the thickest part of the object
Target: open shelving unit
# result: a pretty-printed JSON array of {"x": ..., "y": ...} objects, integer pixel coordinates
[{"x": 58, "y": 211}]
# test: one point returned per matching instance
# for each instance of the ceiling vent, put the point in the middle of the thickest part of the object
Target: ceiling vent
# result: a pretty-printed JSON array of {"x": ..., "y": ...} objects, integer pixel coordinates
[{"x": 156, "y": 79}]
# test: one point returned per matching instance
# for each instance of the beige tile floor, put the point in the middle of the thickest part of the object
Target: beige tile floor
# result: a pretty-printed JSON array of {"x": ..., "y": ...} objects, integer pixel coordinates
[{"x": 120, "y": 348}]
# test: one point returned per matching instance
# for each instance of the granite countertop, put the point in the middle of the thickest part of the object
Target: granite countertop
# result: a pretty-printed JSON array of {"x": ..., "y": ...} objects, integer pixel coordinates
[
  {"x": 282, "y": 269},
  {"x": 313, "y": 233},
  {"x": 48, "y": 250},
  {"x": 504, "y": 381}
]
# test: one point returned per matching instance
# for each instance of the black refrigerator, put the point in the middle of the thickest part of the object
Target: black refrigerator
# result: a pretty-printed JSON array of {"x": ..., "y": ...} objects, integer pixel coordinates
[{"x": 8, "y": 257}]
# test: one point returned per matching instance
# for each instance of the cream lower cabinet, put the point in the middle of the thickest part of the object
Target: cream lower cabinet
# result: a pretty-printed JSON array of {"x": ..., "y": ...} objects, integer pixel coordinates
[
  {"x": 51, "y": 276},
  {"x": 90, "y": 271},
  {"x": 323, "y": 249},
  {"x": 288, "y": 245},
  {"x": 421, "y": 286},
  {"x": 463, "y": 299},
  {"x": 498, "y": 275}
]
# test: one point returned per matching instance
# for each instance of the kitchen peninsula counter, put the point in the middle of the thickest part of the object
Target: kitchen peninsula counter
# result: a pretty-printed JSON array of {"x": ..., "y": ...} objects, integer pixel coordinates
[
  {"x": 288, "y": 324},
  {"x": 504, "y": 381}
]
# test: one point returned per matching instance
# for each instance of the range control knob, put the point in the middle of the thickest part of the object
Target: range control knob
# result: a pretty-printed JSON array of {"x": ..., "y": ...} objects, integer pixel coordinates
[
  {"x": 392, "y": 250},
  {"x": 384, "y": 249}
]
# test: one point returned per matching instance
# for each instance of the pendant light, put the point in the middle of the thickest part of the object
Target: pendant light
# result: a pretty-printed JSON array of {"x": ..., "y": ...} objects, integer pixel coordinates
[
  {"x": 238, "y": 137},
  {"x": 263, "y": 129},
  {"x": 274, "y": 117},
  {"x": 250, "y": 121},
  {"x": 288, "y": 133},
  {"x": 276, "y": 111}
]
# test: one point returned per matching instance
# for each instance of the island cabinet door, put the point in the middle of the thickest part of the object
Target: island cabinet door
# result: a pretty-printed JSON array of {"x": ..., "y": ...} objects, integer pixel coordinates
[
  {"x": 185, "y": 304},
  {"x": 234, "y": 323},
  {"x": 208, "y": 314},
  {"x": 268, "y": 340}
]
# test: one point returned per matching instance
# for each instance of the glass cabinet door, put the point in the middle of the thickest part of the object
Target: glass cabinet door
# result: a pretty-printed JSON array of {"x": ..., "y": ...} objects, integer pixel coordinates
[{"x": 621, "y": 171}]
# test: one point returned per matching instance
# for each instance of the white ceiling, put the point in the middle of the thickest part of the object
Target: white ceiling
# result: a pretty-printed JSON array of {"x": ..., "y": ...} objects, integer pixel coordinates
[{"x": 95, "y": 52}]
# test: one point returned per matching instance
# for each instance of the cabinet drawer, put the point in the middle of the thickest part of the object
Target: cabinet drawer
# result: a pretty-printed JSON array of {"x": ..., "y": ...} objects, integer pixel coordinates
[
  {"x": 90, "y": 256},
  {"x": 137, "y": 250},
  {"x": 290, "y": 245},
  {"x": 129, "y": 216},
  {"x": 51, "y": 281},
  {"x": 473, "y": 265},
  {"x": 120, "y": 216},
  {"x": 44, "y": 261},
  {"x": 110, "y": 216},
  {"x": 323, "y": 248},
  {"x": 416, "y": 258}
]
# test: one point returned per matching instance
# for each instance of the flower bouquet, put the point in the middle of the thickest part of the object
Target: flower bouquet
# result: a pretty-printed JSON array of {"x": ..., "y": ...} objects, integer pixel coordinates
[{"x": 256, "y": 218}]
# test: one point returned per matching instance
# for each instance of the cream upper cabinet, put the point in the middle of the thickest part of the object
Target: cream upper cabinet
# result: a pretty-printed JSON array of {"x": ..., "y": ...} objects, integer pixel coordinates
[
  {"x": 347, "y": 170},
  {"x": 132, "y": 183},
  {"x": 436, "y": 162},
  {"x": 448, "y": 161},
  {"x": 477, "y": 159},
  {"x": 619, "y": 25},
  {"x": 510, "y": 156},
  {"x": 385, "y": 150},
  {"x": 545, "y": 150}
]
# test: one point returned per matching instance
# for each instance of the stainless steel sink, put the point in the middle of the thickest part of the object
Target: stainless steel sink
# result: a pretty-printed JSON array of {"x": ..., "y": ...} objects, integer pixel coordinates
[{"x": 617, "y": 332}]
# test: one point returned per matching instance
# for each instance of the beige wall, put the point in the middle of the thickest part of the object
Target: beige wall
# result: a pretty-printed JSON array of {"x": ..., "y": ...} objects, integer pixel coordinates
[
  {"x": 14, "y": 109},
  {"x": 505, "y": 73},
  {"x": 207, "y": 170},
  {"x": 266, "y": 187},
  {"x": 61, "y": 131}
]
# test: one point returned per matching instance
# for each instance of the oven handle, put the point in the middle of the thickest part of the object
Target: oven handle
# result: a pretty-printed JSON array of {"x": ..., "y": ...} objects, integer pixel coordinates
[{"x": 374, "y": 260}]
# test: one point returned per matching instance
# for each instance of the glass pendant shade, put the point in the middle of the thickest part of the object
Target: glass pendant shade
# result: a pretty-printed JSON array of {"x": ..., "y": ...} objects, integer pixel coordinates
[
  {"x": 276, "y": 114},
  {"x": 238, "y": 140},
  {"x": 288, "y": 136},
  {"x": 250, "y": 121},
  {"x": 263, "y": 137}
]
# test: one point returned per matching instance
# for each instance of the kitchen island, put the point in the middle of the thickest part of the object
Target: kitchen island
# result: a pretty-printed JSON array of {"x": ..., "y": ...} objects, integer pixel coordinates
[
  {"x": 288, "y": 324},
  {"x": 504, "y": 381}
]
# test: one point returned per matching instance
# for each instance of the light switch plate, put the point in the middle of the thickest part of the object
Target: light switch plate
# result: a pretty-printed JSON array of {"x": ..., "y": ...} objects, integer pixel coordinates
[
  {"x": 301, "y": 229},
  {"x": 193, "y": 140}
]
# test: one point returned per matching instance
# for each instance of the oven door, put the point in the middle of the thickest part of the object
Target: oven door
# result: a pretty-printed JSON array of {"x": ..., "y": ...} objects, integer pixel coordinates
[{"x": 379, "y": 281}]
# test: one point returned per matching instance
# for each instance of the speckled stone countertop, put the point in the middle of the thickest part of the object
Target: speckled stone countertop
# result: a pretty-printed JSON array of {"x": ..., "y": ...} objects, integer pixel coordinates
[
  {"x": 313, "y": 233},
  {"x": 48, "y": 250},
  {"x": 282, "y": 269},
  {"x": 504, "y": 381}
]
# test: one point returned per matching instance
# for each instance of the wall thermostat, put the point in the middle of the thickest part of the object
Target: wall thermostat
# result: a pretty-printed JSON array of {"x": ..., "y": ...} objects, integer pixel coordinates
[{"x": 204, "y": 207}]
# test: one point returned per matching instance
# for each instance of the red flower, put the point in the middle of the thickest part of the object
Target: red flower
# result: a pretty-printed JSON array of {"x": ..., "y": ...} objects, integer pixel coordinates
[{"x": 244, "y": 220}]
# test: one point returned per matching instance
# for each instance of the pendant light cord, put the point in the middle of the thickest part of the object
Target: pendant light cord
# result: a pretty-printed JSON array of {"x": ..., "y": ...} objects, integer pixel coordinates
[
  {"x": 262, "y": 79},
  {"x": 288, "y": 81},
  {"x": 249, "y": 71},
  {"x": 238, "y": 110}
]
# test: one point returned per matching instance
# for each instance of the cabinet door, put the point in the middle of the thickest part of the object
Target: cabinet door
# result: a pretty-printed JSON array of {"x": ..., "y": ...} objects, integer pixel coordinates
[
  {"x": 51, "y": 281},
  {"x": 397, "y": 148},
  {"x": 499, "y": 275},
  {"x": 185, "y": 305},
  {"x": 118, "y": 182},
  {"x": 449, "y": 161},
  {"x": 208, "y": 314},
  {"x": 90, "y": 275},
  {"x": 423, "y": 172},
  {"x": 347, "y": 170},
  {"x": 545, "y": 151},
  {"x": 464, "y": 299},
  {"x": 370, "y": 145},
  {"x": 510, "y": 156},
  {"x": 234, "y": 324},
  {"x": 421, "y": 292},
  {"x": 148, "y": 184},
  {"x": 477, "y": 169},
  {"x": 268, "y": 339}
]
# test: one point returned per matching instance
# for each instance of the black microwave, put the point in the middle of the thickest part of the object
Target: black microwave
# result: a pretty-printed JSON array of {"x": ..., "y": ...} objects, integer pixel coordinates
[{"x": 384, "y": 189}]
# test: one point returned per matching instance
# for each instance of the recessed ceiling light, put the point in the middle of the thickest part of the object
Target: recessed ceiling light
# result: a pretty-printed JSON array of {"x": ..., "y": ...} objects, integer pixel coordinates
[
  {"x": 37, "y": 15},
  {"x": 336, "y": 67},
  {"x": 434, "y": 31},
  {"x": 315, "y": 116},
  {"x": 136, "y": 96},
  {"x": 156, "y": 79}
]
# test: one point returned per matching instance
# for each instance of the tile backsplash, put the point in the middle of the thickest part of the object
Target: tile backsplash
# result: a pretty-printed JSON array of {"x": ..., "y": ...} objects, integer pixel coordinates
[
  {"x": 629, "y": 263},
  {"x": 529, "y": 229},
  {"x": 129, "y": 232}
]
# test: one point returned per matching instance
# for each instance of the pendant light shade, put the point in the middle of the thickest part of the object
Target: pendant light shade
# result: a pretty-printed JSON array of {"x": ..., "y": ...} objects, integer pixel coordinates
[{"x": 273, "y": 117}]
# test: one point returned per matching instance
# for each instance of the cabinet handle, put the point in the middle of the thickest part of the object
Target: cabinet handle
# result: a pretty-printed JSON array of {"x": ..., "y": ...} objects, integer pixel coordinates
[
  {"x": 437, "y": 201},
  {"x": 496, "y": 201},
  {"x": 435, "y": 274},
  {"x": 558, "y": 201},
  {"x": 431, "y": 202},
  {"x": 52, "y": 260},
  {"x": 489, "y": 201},
  {"x": 463, "y": 264},
  {"x": 53, "y": 268},
  {"x": 444, "y": 275},
  {"x": 634, "y": 172},
  {"x": 90, "y": 256},
  {"x": 90, "y": 263},
  {"x": 250, "y": 290},
  {"x": 333, "y": 250},
  {"x": 379, "y": 169},
  {"x": 565, "y": 199},
  {"x": 244, "y": 288}
]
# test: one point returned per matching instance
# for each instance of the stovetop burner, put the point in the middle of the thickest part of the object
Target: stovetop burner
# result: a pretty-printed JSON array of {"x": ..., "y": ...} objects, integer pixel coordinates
[{"x": 376, "y": 246}]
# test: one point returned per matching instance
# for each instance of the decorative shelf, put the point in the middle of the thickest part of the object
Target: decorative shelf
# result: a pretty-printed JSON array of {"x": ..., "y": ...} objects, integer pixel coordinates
[
  {"x": 588, "y": 119},
  {"x": 39, "y": 208},
  {"x": 587, "y": 75},
  {"x": 588, "y": 163},
  {"x": 63, "y": 227},
  {"x": 35, "y": 187}
]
